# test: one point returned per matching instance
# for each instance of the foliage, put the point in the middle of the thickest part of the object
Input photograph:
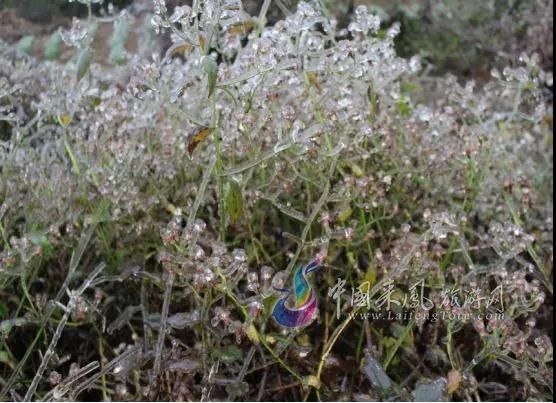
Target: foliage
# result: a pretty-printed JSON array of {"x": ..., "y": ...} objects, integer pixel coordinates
[
  {"x": 470, "y": 37},
  {"x": 150, "y": 208}
]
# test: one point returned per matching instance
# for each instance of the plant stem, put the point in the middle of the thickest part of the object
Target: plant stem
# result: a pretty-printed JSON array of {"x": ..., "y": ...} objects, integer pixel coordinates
[
  {"x": 58, "y": 333},
  {"x": 161, "y": 333},
  {"x": 262, "y": 15}
]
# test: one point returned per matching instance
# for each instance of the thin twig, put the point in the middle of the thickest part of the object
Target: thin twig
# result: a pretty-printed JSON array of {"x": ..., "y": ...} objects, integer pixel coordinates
[
  {"x": 161, "y": 333},
  {"x": 59, "y": 391},
  {"x": 108, "y": 367},
  {"x": 262, "y": 14},
  {"x": 170, "y": 279},
  {"x": 53, "y": 343},
  {"x": 318, "y": 206}
]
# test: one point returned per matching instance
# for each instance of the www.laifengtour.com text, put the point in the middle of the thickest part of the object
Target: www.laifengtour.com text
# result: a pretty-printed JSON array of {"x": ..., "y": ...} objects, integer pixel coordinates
[{"x": 426, "y": 316}]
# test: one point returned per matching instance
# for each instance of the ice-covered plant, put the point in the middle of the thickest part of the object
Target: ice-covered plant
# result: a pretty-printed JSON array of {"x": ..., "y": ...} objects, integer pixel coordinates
[{"x": 203, "y": 174}]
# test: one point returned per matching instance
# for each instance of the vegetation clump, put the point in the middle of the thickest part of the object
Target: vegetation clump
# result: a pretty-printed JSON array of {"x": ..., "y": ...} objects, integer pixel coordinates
[{"x": 151, "y": 206}]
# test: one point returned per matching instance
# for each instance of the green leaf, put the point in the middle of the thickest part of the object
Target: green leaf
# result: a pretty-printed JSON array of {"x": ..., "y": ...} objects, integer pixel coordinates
[
  {"x": 83, "y": 63},
  {"x": 92, "y": 30},
  {"x": 3, "y": 310},
  {"x": 237, "y": 389},
  {"x": 345, "y": 214},
  {"x": 25, "y": 44},
  {"x": 356, "y": 169},
  {"x": 64, "y": 120},
  {"x": 7, "y": 325},
  {"x": 4, "y": 357},
  {"x": 253, "y": 334},
  {"x": 268, "y": 304},
  {"x": 408, "y": 87},
  {"x": 403, "y": 108},
  {"x": 211, "y": 69},
  {"x": 52, "y": 46},
  {"x": 229, "y": 353},
  {"x": 373, "y": 101},
  {"x": 117, "y": 54},
  {"x": 74, "y": 162},
  {"x": 118, "y": 40},
  {"x": 234, "y": 202},
  {"x": 38, "y": 238}
]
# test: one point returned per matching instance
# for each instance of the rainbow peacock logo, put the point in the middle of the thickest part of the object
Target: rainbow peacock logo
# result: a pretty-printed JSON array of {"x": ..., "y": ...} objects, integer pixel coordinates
[{"x": 305, "y": 301}]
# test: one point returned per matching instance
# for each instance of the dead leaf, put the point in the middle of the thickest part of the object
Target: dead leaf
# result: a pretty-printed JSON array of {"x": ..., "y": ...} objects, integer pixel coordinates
[
  {"x": 252, "y": 334},
  {"x": 197, "y": 138},
  {"x": 313, "y": 80},
  {"x": 242, "y": 27},
  {"x": 180, "y": 47},
  {"x": 64, "y": 120},
  {"x": 312, "y": 380},
  {"x": 454, "y": 380},
  {"x": 202, "y": 41}
]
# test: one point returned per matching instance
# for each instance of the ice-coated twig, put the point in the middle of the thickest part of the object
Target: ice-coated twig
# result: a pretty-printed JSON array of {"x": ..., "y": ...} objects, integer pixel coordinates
[
  {"x": 318, "y": 206},
  {"x": 107, "y": 368},
  {"x": 277, "y": 149},
  {"x": 170, "y": 278},
  {"x": 58, "y": 333},
  {"x": 246, "y": 363},
  {"x": 200, "y": 195},
  {"x": 161, "y": 333},
  {"x": 59, "y": 391},
  {"x": 284, "y": 11},
  {"x": 250, "y": 74},
  {"x": 287, "y": 210},
  {"x": 76, "y": 257},
  {"x": 262, "y": 14},
  {"x": 144, "y": 315}
]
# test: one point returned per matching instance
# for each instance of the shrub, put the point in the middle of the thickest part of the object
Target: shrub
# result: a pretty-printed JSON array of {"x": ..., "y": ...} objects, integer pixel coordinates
[
  {"x": 203, "y": 177},
  {"x": 471, "y": 37}
]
